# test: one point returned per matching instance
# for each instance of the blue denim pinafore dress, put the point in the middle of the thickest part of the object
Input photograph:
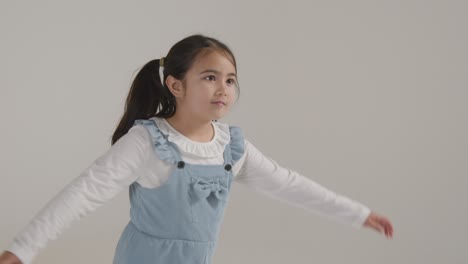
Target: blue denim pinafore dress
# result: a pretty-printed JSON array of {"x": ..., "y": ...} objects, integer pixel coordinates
[{"x": 178, "y": 222}]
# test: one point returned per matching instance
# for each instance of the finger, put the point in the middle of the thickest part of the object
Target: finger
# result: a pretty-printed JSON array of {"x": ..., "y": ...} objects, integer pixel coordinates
[
  {"x": 389, "y": 231},
  {"x": 385, "y": 224},
  {"x": 377, "y": 226},
  {"x": 388, "y": 226}
]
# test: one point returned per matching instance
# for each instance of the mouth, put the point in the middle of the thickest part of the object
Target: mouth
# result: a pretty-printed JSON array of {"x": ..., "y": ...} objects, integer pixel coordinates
[{"x": 219, "y": 103}]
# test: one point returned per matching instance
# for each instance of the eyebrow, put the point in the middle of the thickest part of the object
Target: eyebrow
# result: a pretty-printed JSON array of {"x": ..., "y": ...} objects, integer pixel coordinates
[{"x": 218, "y": 72}]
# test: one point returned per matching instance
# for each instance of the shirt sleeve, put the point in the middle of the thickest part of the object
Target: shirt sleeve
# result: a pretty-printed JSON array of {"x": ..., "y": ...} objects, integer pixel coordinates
[
  {"x": 102, "y": 180},
  {"x": 263, "y": 174}
]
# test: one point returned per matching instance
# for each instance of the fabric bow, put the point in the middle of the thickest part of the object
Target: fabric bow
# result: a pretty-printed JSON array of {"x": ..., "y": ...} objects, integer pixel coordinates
[{"x": 203, "y": 189}]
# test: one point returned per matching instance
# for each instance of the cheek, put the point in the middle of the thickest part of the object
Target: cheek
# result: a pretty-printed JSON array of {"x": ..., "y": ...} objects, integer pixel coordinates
[
  {"x": 233, "y": 93},
  {"x": 199, "y": 100}
]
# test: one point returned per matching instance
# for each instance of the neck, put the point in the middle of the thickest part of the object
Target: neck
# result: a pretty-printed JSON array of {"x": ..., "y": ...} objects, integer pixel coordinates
[{"x": 192, "y": 128}]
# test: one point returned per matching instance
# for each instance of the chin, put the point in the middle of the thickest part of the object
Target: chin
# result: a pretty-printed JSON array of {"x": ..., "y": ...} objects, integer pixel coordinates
[{"x": 217, "y": 117}]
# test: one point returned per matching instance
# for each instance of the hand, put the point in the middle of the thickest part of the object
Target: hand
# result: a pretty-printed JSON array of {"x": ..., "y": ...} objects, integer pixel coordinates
[
  {"x": 9, "y": 258},
  {"x": 379, "y": 223}
]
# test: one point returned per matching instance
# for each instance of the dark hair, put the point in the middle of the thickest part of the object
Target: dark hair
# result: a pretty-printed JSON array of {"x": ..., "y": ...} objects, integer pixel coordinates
[{"x": 148, "y": 97}]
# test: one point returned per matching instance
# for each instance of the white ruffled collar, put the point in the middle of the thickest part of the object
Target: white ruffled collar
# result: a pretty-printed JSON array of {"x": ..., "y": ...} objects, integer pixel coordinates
[{"x": 210, "y": 149}]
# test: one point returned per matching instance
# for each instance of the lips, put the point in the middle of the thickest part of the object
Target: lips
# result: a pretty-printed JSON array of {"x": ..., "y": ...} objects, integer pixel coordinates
[{"x": 219, "y": 102}]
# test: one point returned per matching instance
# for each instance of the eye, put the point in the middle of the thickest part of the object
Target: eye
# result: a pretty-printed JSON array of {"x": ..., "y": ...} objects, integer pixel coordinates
[
  {"x": 210, "y": 76},
  {"x": 232, "y": 81}
]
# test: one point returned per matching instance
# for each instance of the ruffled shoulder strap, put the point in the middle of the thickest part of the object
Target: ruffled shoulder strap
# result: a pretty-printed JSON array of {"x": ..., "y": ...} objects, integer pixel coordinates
[
  {"x": 236, "y": 143},
  {"x": 161, "y": 145}
]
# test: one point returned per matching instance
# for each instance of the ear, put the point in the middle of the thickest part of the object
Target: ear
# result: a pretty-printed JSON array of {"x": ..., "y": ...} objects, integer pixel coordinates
[{"x": 175, "y": 86}]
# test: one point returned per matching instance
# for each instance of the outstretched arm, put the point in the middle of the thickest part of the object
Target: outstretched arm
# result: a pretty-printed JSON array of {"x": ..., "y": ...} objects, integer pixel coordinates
[
  {"x": 101, "y": 181},
  {"x": 263, "y": 174}
]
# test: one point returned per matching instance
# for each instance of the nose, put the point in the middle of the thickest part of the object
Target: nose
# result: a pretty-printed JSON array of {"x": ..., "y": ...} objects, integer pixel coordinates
[{"x": 222, "y": 88}]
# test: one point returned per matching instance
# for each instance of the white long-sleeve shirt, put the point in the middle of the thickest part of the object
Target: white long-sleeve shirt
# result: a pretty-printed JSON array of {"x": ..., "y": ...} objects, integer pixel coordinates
[{"x": 133, "y": 158}]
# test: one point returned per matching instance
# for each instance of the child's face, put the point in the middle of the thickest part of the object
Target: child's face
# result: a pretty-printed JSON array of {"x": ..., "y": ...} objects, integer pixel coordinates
[{"x": 211, "y": 78}]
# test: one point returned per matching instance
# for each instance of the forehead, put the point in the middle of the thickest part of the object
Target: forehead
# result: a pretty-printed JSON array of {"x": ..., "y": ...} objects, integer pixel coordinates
[{"x": 214, "y": 60}]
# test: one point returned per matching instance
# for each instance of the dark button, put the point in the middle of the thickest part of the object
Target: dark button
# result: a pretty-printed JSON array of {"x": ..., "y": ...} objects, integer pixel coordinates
[
  {"x": 180, "y": 164},
  {"x": 228, "y": 167}
]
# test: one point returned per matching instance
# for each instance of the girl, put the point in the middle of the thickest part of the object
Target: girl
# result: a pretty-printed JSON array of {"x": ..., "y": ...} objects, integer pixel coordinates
[{"x": 179, "y": 164}]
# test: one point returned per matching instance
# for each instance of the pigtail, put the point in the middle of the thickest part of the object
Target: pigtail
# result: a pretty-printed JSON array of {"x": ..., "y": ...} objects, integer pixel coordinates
[{"x": 148, "y": 97}]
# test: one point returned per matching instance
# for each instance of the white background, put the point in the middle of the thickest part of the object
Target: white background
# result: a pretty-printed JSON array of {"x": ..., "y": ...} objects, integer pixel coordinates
[{"x": 368, "y": 98}]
